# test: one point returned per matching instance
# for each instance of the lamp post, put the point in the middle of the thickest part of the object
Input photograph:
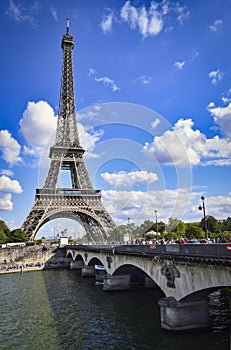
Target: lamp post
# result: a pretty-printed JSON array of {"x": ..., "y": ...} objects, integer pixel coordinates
[
  {"x": 129, "y": 232},
  {"x": 156, "y": 222},
  {"x": 205, "y": 217}
]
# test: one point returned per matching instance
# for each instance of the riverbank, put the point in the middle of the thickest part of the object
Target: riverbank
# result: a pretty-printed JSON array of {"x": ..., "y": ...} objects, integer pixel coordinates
[
  {"x": 26, "y": 259},
  {"x": 4, "y": 269}
]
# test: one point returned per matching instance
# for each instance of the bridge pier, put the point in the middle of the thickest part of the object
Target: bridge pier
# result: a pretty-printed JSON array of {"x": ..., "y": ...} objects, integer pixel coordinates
[
  {"x": 76, "y": 265},
  {"x": 113, "y": 283},
  {"x": 88, "y": 271},
  {"x": 182, "y": 315}
]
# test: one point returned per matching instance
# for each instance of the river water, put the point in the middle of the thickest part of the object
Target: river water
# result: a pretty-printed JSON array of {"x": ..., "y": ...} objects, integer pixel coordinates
[{"x": 60, "y": 310}]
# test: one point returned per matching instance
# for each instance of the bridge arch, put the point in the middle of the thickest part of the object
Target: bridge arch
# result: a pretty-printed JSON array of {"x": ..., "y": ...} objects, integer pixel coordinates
[
  {"x": 95, "y": 261},
  {"x": 138, "y": 275},
  {"x": 79, "y": 258},
  {"x": 70, "y": 255}
]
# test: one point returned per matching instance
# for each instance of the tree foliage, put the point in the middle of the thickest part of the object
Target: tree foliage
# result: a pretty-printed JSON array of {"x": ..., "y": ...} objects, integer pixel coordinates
[
  {"x": 7, "y": 236},
  {"x": 18, "y": 235}
]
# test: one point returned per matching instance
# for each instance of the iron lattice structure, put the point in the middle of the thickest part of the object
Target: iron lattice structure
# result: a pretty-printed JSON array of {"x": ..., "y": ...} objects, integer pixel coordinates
[{"x": 81, "y": 202}]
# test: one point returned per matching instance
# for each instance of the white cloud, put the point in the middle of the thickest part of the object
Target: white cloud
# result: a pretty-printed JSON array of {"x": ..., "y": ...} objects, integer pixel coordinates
[
  {"x": 18, "y": 13},
  {"x": 107, "y": 82},
  {"x": 211, "y": 105},
  {"x": 88, "y": 140},
  {"x": 5, "y": 202},
  {"x": 10, "y": 148},
  {"x": 92, "y": 72},
  {"x": 54, "y": 13},
  {"x": 8, "y": 185},
  {"x": 222, "y": 117},
  {"x": 144, "y": 79},
  {"x": 179, "y": 65},
  {"x": 150, "y": 21},
  {"x": 123, "y": 178},
  {"x": 216, "y": 76},
  {"x": 7, "y": 172},
  {"x": 155, "y": 123},
  {"x": 38, "y": 127},
  {"x": 89, "y": 114},
  {"x": 107, "y": 20},
  {"x": 38, "y": 124},
  {"x": 140, "y": 206},
  {"x": 181, "y": 203},
  {"x": 215, "y": 25},
  {"x": 183, "y": 146},
  {"x": 182, "y": 12}
]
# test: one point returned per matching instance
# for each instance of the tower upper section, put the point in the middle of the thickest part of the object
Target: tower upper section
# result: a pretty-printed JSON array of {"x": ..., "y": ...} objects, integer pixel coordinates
[{"x": 67, "y": 133}]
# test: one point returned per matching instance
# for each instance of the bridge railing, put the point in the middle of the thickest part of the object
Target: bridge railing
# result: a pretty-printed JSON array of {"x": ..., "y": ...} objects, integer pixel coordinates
[{"x": 220, "y": 250}]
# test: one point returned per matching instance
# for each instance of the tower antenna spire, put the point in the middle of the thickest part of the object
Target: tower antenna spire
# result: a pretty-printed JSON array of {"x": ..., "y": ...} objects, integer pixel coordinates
[{"x": 68, "y": 25}]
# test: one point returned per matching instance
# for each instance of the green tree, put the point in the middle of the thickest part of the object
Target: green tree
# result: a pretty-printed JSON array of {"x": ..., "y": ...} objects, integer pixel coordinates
[
  {"x": 152, "y": 226},
  {"x": 212, "y": 224},
  {"x": 194, "y": 230},
  {"x": 4, "y": 228},
  {"x": 3, "y": 237},
  {"x": 118, "y": 233},
  {"x": 146, "y": 226},
  {"x": 177, "y": 226},
  {"x": 18, "y": 235}
]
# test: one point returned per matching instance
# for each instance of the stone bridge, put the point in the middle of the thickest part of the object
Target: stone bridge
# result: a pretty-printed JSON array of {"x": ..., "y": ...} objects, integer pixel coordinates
[{"x": 186, "y": 274}]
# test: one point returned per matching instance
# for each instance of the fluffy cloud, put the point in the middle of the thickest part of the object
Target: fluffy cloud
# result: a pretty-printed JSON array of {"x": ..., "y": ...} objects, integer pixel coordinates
[
  {"x": 5, "y": 202},
  {"x": 38, "y": 123},
  {"x": 88, "y": 140},
  {"x": 181, "y": 203},
  {"x": 150, "y": 21},
  {"x": 38, "y": 126},
  {"x": 123, "y": 178},
  {"x": 216, "y": 76},
  {"x": 222, "y": 117},
  {"x": 140, "y": 206},
  {"x": 10, "y": 148},
  {"x": 183, "y": 146},
  {"x": 8, "y": 185},
  {"x": 106, "y": 23},
  {"x": 7, "y": 172}
]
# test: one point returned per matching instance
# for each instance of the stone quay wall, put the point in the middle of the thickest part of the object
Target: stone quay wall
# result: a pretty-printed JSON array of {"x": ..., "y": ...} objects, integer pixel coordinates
[{"x": 29, "y": 258}]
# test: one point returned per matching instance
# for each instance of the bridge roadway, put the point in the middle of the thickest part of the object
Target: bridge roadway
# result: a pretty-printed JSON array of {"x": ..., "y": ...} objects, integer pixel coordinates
[{"x": 186, "y": 274}]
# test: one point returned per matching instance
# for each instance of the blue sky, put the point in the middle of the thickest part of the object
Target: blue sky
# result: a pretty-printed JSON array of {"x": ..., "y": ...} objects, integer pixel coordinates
[{"x": 153, "y": 96}]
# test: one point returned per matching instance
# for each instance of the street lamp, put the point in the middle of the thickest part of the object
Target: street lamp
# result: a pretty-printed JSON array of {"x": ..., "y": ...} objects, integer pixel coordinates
[
  {"x": 156, "y": 222},
  {"x": 205, "y": 217},
  {"x": 129, "y": 232}
]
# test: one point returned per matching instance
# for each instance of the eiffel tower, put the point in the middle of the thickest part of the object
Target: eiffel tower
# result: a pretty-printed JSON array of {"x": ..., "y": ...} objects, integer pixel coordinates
[{"x": 81, "y": 202}]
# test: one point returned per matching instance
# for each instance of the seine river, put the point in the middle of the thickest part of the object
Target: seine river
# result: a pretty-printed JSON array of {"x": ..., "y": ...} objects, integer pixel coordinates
[{"x": 60, "y": 310}]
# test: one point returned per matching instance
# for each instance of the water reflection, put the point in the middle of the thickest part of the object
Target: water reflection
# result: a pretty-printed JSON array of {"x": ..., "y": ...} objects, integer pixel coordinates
[{"x": 60, "y": 310}]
